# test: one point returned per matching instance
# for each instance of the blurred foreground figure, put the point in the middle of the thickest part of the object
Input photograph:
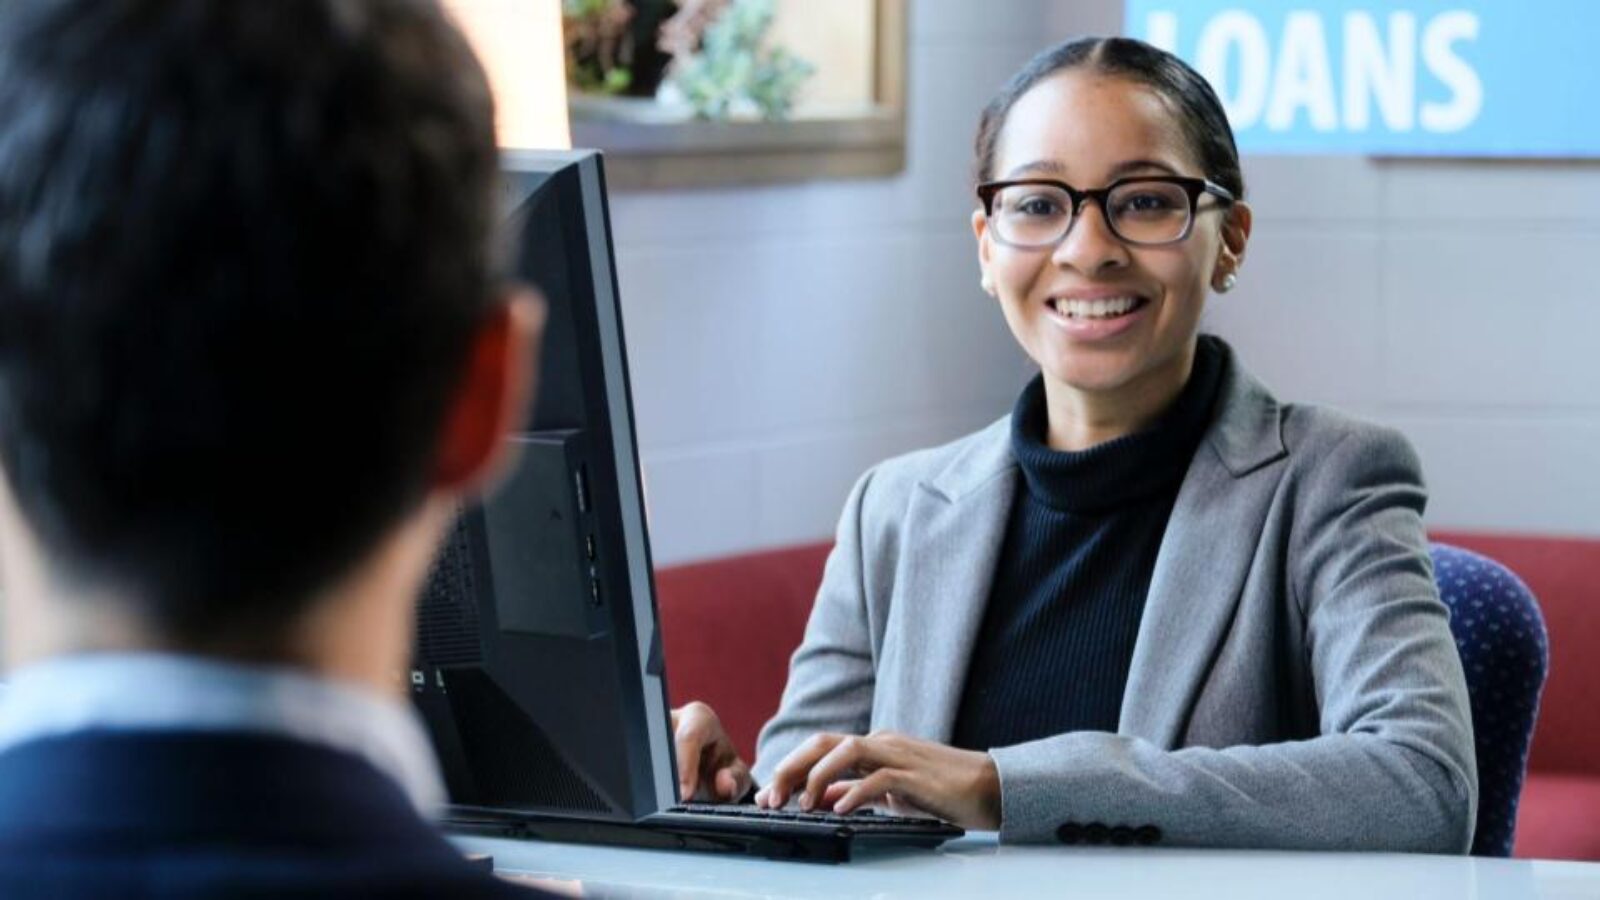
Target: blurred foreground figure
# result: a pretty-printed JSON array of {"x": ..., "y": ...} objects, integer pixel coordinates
[{"x": 252, "y": 353}]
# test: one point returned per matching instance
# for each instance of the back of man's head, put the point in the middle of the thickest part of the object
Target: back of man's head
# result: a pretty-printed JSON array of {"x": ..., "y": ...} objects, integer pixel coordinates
[{"x": 243, "y": 251}]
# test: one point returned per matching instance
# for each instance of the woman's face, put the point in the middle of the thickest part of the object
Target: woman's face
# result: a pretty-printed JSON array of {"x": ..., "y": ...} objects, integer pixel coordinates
[{"x": 1088, "y": 130}]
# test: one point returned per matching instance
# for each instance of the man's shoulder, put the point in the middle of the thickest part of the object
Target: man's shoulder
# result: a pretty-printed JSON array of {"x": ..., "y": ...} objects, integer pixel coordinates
[{"x": 191, "y": 814}]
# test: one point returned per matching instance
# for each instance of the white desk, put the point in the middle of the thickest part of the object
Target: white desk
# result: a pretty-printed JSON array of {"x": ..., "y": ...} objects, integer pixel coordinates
[{"x": 977, "y": 866}]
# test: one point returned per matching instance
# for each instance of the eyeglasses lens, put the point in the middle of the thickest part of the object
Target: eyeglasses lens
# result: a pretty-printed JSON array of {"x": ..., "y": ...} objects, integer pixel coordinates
[{"x": 1140, "y": 212}]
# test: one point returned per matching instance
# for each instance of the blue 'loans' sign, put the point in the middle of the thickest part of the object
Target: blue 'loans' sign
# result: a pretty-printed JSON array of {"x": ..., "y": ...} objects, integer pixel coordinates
[{"x": 1426, "y": 77}]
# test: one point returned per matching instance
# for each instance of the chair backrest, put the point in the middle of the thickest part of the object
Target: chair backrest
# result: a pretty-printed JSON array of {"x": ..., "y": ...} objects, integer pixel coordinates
[
  {"x": 728, "y": 628},
  {"x": 1564, "y": 573},
  {"x": 1504, "y": 649}
]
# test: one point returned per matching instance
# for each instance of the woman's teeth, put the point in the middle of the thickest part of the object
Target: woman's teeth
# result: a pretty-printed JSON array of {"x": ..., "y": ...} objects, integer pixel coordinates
[{"x": 1107, "y": 308}]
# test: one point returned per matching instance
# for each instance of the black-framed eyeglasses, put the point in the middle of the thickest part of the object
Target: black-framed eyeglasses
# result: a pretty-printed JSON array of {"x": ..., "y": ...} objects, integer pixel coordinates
[{"x": 1147, "y": 210}]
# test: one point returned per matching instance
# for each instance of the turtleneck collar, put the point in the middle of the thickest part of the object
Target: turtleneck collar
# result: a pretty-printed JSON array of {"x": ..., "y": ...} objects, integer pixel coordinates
[{"x": 1125, "y": 469}]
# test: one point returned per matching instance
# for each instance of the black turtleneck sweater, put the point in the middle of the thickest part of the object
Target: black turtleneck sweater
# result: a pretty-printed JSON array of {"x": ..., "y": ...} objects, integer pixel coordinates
[{"x": 1069, "y": 589}]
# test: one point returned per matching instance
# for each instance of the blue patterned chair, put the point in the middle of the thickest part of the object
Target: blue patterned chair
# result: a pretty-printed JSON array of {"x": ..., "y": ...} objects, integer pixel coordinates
[{"x": 1505, "y": 652}]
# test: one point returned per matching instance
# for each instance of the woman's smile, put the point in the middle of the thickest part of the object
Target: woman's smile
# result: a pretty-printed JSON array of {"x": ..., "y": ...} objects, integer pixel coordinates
[{"x": 1096, "y": 314}]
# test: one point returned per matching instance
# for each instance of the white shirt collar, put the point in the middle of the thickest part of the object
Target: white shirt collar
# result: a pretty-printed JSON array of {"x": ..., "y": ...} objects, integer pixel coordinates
[{"x": 185, "y": 693}]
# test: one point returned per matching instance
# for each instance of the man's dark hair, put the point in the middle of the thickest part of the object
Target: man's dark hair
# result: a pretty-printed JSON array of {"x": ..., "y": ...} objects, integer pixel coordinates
[
  {"x": 1200, "y": 115},
  {"x": 244, "y": 247}
]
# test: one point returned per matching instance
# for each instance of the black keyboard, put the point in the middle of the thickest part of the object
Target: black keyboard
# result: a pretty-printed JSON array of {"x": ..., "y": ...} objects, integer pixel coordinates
[
  {"x": 787, "y": 834},
  {"x": 867, "y": 819},
  {"x": 794, "y": 834}
]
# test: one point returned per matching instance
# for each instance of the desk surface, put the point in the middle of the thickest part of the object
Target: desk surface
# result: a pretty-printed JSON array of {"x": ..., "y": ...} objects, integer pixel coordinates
[{"x": 977, "y": 866}]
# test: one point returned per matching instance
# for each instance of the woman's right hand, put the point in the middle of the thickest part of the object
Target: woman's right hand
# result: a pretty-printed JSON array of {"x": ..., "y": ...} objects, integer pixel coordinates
[{"x": 709, "y": 768}]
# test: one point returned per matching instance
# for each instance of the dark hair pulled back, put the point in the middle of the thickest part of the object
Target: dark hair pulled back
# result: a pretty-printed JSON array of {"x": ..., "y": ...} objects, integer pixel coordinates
[{"x": 1199, "y": 112}]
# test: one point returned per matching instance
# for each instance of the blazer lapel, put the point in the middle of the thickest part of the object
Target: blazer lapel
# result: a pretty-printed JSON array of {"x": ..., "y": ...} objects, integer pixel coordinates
[
  {"x": 1205, "y": 556},
  {"x": 958, "y": 522}
]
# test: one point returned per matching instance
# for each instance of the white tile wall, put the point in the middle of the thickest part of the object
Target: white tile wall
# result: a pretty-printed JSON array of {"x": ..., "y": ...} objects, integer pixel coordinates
[
  {"x": 1307, "y": 292},
  {"x": 701, "y": 503},
  {"x": 1320, "y": 189},
  {"x": 1081, "y": 17},
  {"x": 1472, "y": 193},
  {"x": 1510, "y": 472},
  {"x": 980, "y": 24},
  {"x": 1494, "y": 317}
]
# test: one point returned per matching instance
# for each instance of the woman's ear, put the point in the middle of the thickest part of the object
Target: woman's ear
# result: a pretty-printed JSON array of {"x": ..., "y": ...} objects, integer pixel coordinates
[
  {"x": 980, "y": 231},
  {"x": 1235, "y": 238},
  {"x": 492, "y": 398}
]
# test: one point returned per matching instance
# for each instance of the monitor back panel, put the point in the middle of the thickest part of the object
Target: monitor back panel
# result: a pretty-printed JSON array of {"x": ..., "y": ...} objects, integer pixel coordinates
[{"x": 537, "y": 665}]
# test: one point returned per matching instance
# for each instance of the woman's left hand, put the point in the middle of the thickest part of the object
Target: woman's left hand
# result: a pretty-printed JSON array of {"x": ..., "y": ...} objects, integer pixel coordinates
[{"x": 845, "y": 772}]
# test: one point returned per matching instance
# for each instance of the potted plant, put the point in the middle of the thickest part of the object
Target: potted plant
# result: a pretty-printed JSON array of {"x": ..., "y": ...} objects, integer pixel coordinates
[{"x": 731, "y": 71}]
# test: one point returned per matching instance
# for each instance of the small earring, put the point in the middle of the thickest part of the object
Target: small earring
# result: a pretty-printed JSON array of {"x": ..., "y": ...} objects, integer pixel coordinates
[
  {"x": 987, "y": 284},
  {"x": 1228, "y": 281}
]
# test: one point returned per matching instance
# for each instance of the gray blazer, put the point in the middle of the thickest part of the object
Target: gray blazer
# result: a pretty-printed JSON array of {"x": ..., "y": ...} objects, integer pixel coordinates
[{"x": 1294, "y": 683}]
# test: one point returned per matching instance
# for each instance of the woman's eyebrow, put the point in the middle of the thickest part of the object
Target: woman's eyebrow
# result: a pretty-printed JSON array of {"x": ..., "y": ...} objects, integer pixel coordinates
[
  {"x": 1038, "y": 167},
  {"x": 1136, "y": 165},
  {"x": 1057, "y": 170}
]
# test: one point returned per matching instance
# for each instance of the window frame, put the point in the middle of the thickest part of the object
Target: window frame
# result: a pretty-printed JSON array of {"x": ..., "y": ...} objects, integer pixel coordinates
[{"x": 698, "y": 153}]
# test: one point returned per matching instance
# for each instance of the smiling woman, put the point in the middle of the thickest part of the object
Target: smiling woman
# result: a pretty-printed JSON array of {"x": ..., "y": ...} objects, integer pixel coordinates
[{"x": 1154, "y": 601}]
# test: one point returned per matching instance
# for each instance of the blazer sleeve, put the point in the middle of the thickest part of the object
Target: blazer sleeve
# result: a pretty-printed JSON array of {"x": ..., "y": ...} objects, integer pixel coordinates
[
  {"x": 831, "y": 675},
  {"x": 1393, "y": 767}
]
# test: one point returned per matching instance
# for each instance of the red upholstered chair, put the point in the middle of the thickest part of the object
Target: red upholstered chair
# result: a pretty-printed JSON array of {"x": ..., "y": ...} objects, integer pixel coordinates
[{"x": 728, "y": 628}]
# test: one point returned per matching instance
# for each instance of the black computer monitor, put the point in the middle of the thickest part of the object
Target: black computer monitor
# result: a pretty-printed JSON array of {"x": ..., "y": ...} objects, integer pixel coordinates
[{"x": 537, "y": 665}]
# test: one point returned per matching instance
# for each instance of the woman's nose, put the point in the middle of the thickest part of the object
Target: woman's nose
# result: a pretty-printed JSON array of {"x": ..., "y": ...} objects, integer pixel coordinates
[{"x": 1089, "y": 246}]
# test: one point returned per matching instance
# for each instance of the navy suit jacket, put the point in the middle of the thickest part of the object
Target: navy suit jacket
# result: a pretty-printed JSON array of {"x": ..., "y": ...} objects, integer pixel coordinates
[{"x": 191, "y": 814}]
